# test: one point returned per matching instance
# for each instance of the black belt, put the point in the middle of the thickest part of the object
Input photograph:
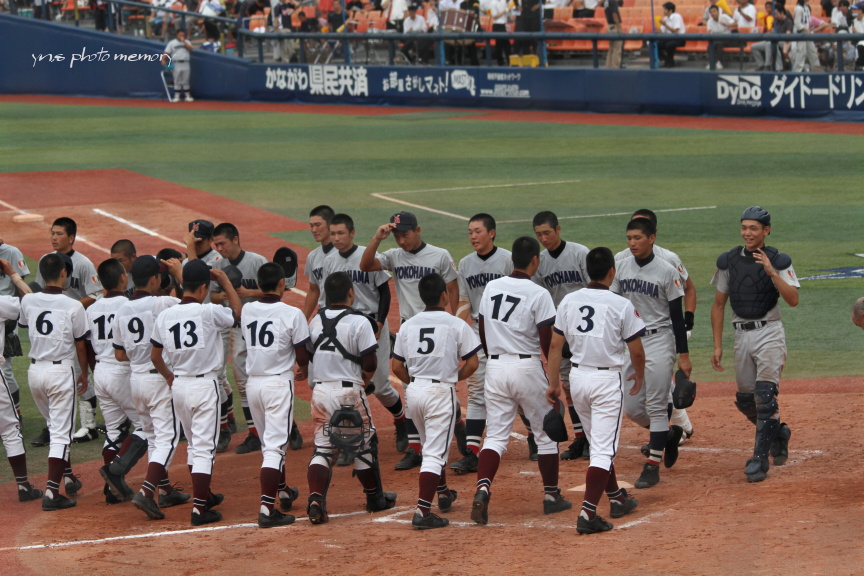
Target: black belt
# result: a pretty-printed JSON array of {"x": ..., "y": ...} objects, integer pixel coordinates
[
  {"x": 650, "y": 332},
  {"x": 747, "y": 326},
  {"x": 431, "y": 379},
  {"x": 521, "y": 356},
  {"x": 32, "y": 361},
  {"x": 595, "y": 367},
  {"x": 154, "y": 371},
  {"x": 347, "y": 384}
]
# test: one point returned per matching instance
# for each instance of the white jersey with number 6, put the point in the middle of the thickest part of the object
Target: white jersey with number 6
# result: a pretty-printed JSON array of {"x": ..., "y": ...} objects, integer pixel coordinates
[
  {"x": 272, "y": 331},
  {"x": 189, "y": 335},
  {"x": 55, "y": 322},
  {"x": 512, "y": 309},
  {"x": 133, "y": 328},
  {"x": 432, "y": 343}
]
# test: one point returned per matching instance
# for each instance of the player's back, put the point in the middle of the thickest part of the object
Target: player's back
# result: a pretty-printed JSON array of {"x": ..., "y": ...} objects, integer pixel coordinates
[
  {"x": 54, "y": 322},
  {"x": 189, "y": 335},
  {"x": 512, "y": 309},
  {"x": 133, "y": 328},
  {"x": 354, "y": 332},
  {"x": 433, "y": 343},
  {"x": 100, "y": 318},
  {"x": 271, "y": 331}
]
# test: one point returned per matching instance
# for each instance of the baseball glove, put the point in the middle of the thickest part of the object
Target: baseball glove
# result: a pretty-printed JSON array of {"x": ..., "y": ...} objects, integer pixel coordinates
[
  {"x": 685, "y": 391},
  {"x": 553, "y": 423}
]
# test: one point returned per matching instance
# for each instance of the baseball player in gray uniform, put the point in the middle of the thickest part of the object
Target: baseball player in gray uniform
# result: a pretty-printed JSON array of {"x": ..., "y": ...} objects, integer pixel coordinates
[
  {"x": 753, "y": 278},
  {"x": 428, "y": 350},
  {"x": 477, "y": 269},
  {"x": 654, "y": 287},
  {"x": 516, "y": 317},
  {"x": 561, "y": 271},
  {"x": 408, "y": 263},
  {"x": 57, "y": 330},
  {"x": 276, "y": 335},
  {"x": 319, "y": 226},
  {"x": 10, "y": 419},
  {"x": 124, "y": 252},
  {"x": 226, "y": 241},
  {"x": 680, "y": 418},
  {"x": 159, "y": 432},
  {"x": 344, "y": 342},
  {"x": 597, "y": 324},
  {"x": 12, "y": 348},
  {"x": 83, "y": 285},
  {"x": 371, "y": 297},
  {"x": 186, "y": 338},
  {"x": 178, "y": 52}
]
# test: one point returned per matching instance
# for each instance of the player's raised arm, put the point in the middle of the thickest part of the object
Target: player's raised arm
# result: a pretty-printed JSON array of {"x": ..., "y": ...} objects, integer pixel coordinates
[
  {"x": 369, "y": 263},
  {"x": 19, "y": 283},
  {"x": 233, "y": 299}
]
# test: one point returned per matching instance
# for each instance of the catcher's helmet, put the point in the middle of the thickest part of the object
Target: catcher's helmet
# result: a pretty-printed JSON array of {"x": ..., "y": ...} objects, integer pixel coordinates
[{"x": 757, "y": 213}]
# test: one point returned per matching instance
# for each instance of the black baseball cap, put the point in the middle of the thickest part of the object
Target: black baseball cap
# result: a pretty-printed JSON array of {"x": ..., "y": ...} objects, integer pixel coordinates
[
  {"x": 196, "y": 271},
  {"x": 404, "y": 221},
  {"x": 67, "y": 260},
  {"x": 202, "y": 228},
  {"x": 145, "y": 267}
]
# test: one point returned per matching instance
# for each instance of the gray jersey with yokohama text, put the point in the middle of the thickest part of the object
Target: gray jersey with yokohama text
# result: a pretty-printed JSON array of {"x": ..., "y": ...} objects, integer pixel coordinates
[
  {"x": 475, "y": 272},
  {"x": 366, "y": 284},
  {"x": 650, "y": 288},
  {"x": 16, "y": 260},
  {"x": 248, "y": 263},
  {"x": 663, "y": 253},
  {"x": 315, "y": 270},
  {"x": 409, "y": 267},
  {"x": 564, "y": 274}
]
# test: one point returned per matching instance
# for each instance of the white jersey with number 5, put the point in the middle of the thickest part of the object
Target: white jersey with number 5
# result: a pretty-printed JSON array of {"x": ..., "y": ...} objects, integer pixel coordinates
[
  {"x": 272, "y": 330},
  {"x": 133, "y": 328},
  {"x": 101, "y": 316},
  {"x": 596, "y": 324},
  {"x": 512, "y": 310},
  {"x": 432, "y": 343},
  {"x": 55, "y": 322},
  {"x": 189, "y": 335}
]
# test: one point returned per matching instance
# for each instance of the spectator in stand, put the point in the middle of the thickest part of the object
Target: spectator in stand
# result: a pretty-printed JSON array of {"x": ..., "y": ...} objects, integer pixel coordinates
[
  {"x": 613, "y": 22},
  {"x": 720, "y": 23},
  {"x": 761, "y": 51},
  {"x": 840, "y": 16},
  {"x": 283, "y": 50},
  {"x": 587, "y": 10},
  {"x": 160, "y": 20},
  {"x": 417, "y": 51},
  {"x": 528, "y": 21},
  {"x": 721, "y": 4},
  {"x": 395, "y": 13},
  {"x": 432, "y": 17},
  {"x": 858, "y": 28},
  {"x": 499, "y": 11},
  {"x": 673, "y": 24},
  {"x": 828, "y": 7},
  {"x": 308, "y": 25},
  {"x": 100, "y": 14},
  {"x": 745, "y": 16},
  {"x": 211, "y": 8},
  {"x": 803, "y": 53}
]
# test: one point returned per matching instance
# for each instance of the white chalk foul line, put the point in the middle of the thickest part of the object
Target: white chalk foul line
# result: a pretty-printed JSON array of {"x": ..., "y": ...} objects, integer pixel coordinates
[
  {"x": 13, "y": 208},
  {"x": 137, "y": 227},
  {"x": 485, "y": 186},
  {"x": 687, "y": 209},
  {"x": 643, "y": 520},
  {"x": 426, "y": 208}
]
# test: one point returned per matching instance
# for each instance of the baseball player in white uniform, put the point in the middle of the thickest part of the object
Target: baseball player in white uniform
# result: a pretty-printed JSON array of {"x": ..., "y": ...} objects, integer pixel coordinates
[
  {"x": 596, "y": 324},
  {"x": 82, "y": 284},
  {"x": 186, "y": 338},
  {"x": 654, "y": 287},
  {"x": 110, "y": 376},
  {"x": 371, "y": 297},
  {"x": 753, "y": 278},
  {"x": 159, "y": 431},
  {"x": 408, "y": 263},
  {"x": 477, "y": 269},
  {"x": 124, "y": 252},
  {"x": 429, "y": 348},
  {"x": 344, "y": 343},
  {"x": 276, "y": 335},
  {"x": 10, "y": 419},
  {"x": 13, "y": 256},
  {"x": 680, "y": 418},
  {"x": 561, "y": 271},
  {"x": 226, "y": 241},
  {"x": 516, "y": 317},
  {"x": 57, "y": 330}
]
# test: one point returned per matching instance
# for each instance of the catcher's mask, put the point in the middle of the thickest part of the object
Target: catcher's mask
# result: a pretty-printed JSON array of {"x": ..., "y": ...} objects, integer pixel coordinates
[{"x": 346, "y": 429}]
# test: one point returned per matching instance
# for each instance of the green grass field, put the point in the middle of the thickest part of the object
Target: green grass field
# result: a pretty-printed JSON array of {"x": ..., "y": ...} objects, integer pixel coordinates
[{"x": 288, "y": 163}]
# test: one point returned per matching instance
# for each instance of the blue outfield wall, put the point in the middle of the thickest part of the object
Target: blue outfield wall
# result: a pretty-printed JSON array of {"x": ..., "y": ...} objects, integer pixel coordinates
[{"x": 39, "y": 57}]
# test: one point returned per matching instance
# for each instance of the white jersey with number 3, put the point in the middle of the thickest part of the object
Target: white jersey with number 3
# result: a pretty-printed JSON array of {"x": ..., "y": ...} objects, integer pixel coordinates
[
  {"x": 596, "y": 324},
  {"x": 189, "y": 335},
  {"x": 272, "y": 330},
  {"x": 432, "y": 343},
  {"x": 133, "y": 328},
  {"x": 512, "y": 310}
]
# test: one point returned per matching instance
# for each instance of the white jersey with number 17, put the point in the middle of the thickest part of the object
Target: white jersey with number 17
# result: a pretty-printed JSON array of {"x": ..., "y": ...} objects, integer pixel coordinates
[{"x": 512, "y": 310}]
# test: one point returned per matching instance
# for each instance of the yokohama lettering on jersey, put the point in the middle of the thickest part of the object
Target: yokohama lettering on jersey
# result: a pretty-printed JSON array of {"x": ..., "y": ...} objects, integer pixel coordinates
[
  {"x": 272, "y": 330},
  {"x": 564, "y": 274},
  {"x": 133, "y": 328},
  {"x": 366, "y": 284},
  {"x": 189, "y": 336},
  {"x": 55, "y": 322},
  {"x": 432, "y": 344},
  {"x": 650, "y": 288},
  {"x": 100, "y": 317},
  {"x": 512, "y": 310},
  {"x": 596, "y": 324},
  {"x": 315, "y": 269},
  {"x": 355, "y": 333},
  {"x": 476, "y": 272},
  {"x": 409, "y": 267}
]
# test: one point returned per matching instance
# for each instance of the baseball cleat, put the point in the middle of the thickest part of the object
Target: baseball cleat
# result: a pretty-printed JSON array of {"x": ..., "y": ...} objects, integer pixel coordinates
[
  {"x": 686, "y": 436},
  {"x": 420, "y": 522},
  {"x": 480, "y": 507},
  {"x": 72, "y": 485},
  {"x": 401, "y": 435},
  {"x": 461, "y": 438},
  {"x": 174, "y": 498},
  {"x": 445, "y": 503},
  {"x": 252, "y": 443},
  {"x": 532, "y": 448},
  {"x": 380, "y": 501},
  {"x": 559, "y": 504},
  {"x": 110, "y": 499},
  {"x": 85, "y": 434},
  {"x": 598, "y": 524},
  {"x": 650, "y": 476},
  {"x": 575, "y": 450},
  {"x": 116, "y": 484},
  {"x": 780, "y": 445},
  {"x": 275, "y": 518},
  {"x": 28, "y": 492},
  {"x": 317, "y": 512},
  {"x": 287, "y": 502},
  {"x": 59, "y": 502},
  {"x": 670, "y": 451},
  {"x": 223, "y": 441},
  {"x": 295, "y": 440},
  {"x": 467, "y": 465},
  {"x": 756, "y": 470},
  {"x": 618, "y": 509},
  {"x": 213, "y": 500},
  {"x": 43, "y": 439},
  {"x": 232, "y": 425},
  {"x": 207, "y": 517},
  {"x": 148, "y": 506},
  {"x": 410, "y": 460}
]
